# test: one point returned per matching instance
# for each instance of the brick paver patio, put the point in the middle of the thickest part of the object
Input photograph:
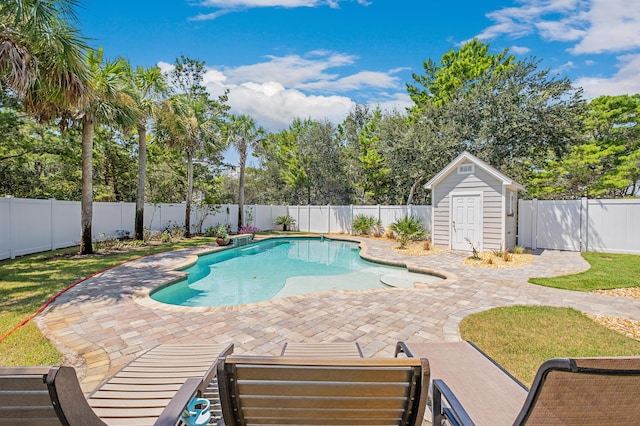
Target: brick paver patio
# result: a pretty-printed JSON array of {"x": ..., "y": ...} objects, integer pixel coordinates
[{"x": 109, "y": 318}]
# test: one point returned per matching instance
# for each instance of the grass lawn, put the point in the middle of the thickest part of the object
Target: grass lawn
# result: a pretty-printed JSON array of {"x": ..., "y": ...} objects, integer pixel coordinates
[
  {"x": 607, "y": 271},
  {"x": 26, "y": 283},
  {"x": 520, "y": 338}
]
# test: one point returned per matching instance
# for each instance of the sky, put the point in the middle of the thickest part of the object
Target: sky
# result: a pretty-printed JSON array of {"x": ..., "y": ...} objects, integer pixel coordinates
[{"x": 287, "y": 59}]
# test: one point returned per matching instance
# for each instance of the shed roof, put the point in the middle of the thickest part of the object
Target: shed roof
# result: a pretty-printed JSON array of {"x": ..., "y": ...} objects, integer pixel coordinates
[{"x": 465, "y": 156}]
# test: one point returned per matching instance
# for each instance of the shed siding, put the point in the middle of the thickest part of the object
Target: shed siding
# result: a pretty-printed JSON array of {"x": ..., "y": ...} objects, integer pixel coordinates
[{"x": 492, "y": 213}]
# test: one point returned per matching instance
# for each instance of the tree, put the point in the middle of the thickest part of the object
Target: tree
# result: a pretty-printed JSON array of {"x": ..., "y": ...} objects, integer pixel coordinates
[
  {"x": 607, "y": 161},
  {"x": 148, "y": 86},
  {"x": 191, "y": 121},
  {"x": 242, "y": 133},
  {"x": 510, "y": 114},
  {"x": 109, "y": 102},
  {"x": 42, "y": 55},
  {"x": 457, "y": 72},
  {"x": 309, "y": 160}
]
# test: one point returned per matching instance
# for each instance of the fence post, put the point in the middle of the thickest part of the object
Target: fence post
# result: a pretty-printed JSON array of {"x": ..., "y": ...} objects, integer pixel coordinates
[
  {"x": 328, "y": 218},
  {"x": 51, "y": 221},
  {"x": 584, "y": 224},
  {"x": 350, "y": 225},
  {"x": 534, "y": 224},
  {"x": 12, "y": 251}
]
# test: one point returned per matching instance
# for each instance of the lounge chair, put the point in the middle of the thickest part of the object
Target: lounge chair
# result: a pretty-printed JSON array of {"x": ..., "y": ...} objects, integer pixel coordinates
[
  {"x": 330, "y": 349},
  {"x": 469, "y": 388},
  {"x": 153, "y": 389},
  {"x": 322, "y": 391}
]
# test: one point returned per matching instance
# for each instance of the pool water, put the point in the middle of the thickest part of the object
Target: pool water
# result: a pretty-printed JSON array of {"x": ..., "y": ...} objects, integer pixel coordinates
[{"x": 274, "y": 269}]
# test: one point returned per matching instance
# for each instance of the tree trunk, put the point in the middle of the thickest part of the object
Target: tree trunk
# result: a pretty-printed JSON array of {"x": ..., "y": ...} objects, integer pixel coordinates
[
  {"x": 86, "y": 202},
  {"x": 413, "y": 189},
  {"x": 142, "y": 165},
  {"x": 243, "y": 160},
  {"x": 187, "y": 213}
]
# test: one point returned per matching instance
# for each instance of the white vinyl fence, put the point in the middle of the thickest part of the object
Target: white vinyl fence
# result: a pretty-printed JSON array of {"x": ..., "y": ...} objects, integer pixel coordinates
[
  {"x": 580, "y": 225},
  {"x": 31, "y": 226}
]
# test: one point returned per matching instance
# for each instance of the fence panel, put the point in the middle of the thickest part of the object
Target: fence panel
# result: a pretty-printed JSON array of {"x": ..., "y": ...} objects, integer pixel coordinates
[
  {"x": 112, "y": 220},
  {"x": 66, "y": 223},
  {"x": 613, "y": 226},
  {"x": 558, "y": 225},
  {"x": 31, "y": 229},
  {"x": 5, "y": 228},
  {"x": 340, "y": 219}
]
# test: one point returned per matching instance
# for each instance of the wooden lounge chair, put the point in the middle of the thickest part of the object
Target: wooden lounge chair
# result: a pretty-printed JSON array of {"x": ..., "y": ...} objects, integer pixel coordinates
[
  {"x": 469, "y": 388},
  {"x": 324, "y": 350},
  {"x": 322, "y": 391},
  {"x": 153, "y": 389}
]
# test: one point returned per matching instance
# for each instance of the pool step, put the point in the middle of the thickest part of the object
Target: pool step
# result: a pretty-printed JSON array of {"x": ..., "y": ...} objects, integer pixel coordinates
[{"x": 404, "y": 279}]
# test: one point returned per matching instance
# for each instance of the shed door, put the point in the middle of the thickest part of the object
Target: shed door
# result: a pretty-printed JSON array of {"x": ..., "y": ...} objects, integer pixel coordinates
[{"x": 466, "y": 222}]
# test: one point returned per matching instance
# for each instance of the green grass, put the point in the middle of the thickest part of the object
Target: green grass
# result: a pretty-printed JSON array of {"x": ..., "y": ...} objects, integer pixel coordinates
[
  {"x": 607, "y": 271},
  {"x": 520, "y": 338},
  {"x": 26, "y": 283}
]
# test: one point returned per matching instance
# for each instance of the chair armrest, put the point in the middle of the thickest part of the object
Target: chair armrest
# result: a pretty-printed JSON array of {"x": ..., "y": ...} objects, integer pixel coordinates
[
  {"x": 402, "y": 347},
  {"x": 453, "y": 412},
  {"x": 172, "y": 412}
]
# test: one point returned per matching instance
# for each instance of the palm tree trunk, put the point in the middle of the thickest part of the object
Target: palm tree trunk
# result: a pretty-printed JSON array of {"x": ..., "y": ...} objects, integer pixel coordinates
[
  {"x": 243, "y": 160},
  {"x": 86, "y": 202},
  {"x": 187, "y": 213},
  {"x": 142, "y": 165}
]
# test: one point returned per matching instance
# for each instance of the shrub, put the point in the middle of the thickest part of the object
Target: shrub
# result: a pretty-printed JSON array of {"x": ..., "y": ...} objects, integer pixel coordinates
[
  {"x": 285, "y": 221},
  {"x": 499, "y": 252},
  {"x": 248, "y": 230},
  {"x": 409, "y": 228},
  {"x": 426, "y": 245},
  {"x": 365, "y": 225},
  {"x": 518, "y": 250}
]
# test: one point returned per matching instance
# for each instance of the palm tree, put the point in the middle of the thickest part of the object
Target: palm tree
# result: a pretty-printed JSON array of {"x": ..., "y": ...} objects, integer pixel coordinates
[
  {"x": 190, "y": 123},
  {"x": 109, "y": 102},
  {"x": 42, "y": 55},
  {"x": 242, "y": 133},
  {"x": 147, "y": 86}
]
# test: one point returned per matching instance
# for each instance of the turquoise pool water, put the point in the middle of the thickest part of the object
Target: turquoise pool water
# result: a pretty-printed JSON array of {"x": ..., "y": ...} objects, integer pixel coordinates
[{"x": 276, "y": 268}]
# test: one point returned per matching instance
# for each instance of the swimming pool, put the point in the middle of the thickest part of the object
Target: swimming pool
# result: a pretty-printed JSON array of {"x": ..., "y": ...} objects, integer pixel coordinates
[{"x": 277, "y": 268}]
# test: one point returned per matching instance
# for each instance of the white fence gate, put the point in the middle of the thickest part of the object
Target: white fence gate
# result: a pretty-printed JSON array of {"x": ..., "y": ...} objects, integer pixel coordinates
[{"x": 580, "y": 225}]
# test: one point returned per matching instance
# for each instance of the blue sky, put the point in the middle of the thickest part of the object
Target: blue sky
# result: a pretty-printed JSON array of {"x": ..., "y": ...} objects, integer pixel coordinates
[{"x": 283, "y": 59}]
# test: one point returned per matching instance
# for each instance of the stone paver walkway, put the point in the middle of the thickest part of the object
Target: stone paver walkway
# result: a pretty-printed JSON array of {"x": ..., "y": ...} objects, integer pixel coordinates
[{"x": 109, "y": 319}]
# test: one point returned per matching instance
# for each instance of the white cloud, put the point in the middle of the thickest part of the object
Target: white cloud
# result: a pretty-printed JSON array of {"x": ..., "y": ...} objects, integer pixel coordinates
[
  {"x": 614, "y": 27},
  {"x": 280, "y": 89},
  {"x": 275, "y": 107},
  {"x": 357, "y": 81},
  {"x": 591, "y": 27},
  {"x": 227, "y": 6},
  {"x": 519, "y": 50},
  {"x": 596, "y": 26},
  {"x": 291, "y": 70},
  {"x": 625, "y": 81}
]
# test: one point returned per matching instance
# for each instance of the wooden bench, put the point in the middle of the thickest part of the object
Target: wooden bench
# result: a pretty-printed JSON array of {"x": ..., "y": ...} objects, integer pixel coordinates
[
  {"x": 153, "y": 389},
  {"x": 52, "y": 396},
  {"x": 258, "y": 390},
  {"x": 324, "y": 350}
]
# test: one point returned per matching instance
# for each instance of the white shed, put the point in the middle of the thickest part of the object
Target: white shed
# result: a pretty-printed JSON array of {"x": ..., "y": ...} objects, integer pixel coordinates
[{"x": 473, "y": 203}]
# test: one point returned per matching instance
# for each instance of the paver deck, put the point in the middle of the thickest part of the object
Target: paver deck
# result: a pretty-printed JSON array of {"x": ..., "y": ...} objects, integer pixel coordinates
[{"x": 109, "y": 319}]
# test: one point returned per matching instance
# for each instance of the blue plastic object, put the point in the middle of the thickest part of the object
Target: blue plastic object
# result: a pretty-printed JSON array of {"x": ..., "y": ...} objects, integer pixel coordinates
[{"x": 194, "y": 416}]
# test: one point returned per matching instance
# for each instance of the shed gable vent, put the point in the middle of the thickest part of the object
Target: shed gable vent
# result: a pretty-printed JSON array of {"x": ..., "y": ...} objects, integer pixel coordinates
[{"x": 465, "y": 169}]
